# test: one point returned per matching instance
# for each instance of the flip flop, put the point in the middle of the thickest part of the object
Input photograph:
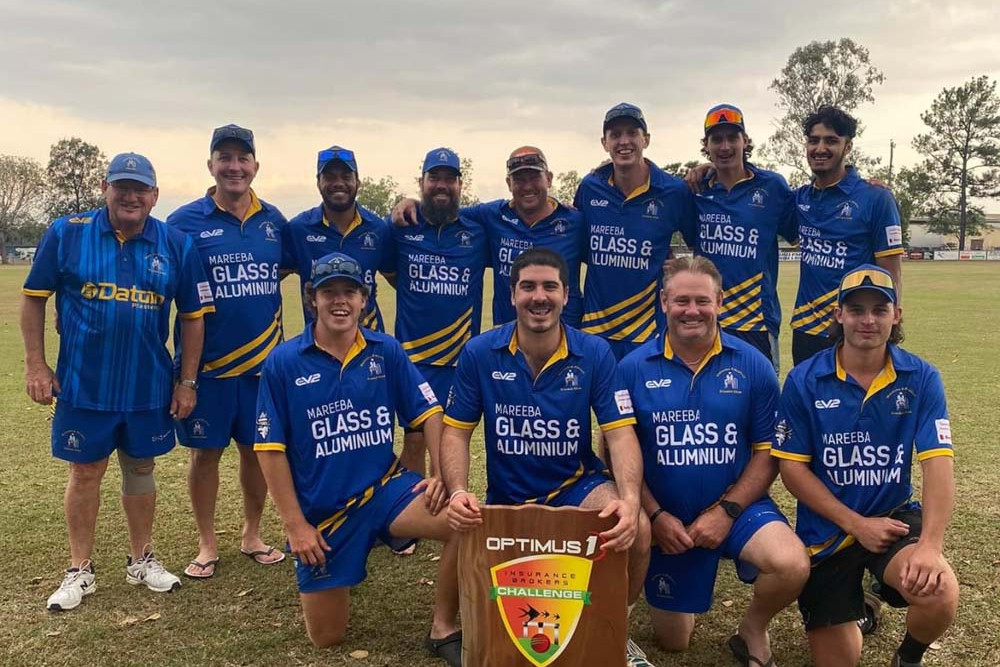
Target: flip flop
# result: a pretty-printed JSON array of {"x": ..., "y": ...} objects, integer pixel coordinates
[
  {"x": 258, "y": 554},
  {"x": 740, "y": 651},
  {"x": 447, "y": 648},
  {"x": 200, "y": 573}
]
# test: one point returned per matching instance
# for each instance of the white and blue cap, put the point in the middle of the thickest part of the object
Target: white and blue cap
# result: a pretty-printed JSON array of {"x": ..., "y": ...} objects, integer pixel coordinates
[
  {"x": 442, "y": 157},
  {"x": 869, "y": 277},
  {"x": 131, "y": 167},
  {"x": 336, "y": 265}
]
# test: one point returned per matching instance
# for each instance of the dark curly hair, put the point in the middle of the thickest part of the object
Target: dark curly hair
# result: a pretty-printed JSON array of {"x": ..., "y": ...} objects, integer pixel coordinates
[{"x": 842, "y": 122}]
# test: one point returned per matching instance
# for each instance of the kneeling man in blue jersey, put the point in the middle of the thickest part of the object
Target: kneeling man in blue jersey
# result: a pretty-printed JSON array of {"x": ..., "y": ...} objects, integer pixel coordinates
[
  {"x": 705, "y": 405},
  {"x": 850, "y": 419},
  {"x": 115, "y": 272},
  {"x": 535, "y": 382},
  {"x": 326, "y": 414}
]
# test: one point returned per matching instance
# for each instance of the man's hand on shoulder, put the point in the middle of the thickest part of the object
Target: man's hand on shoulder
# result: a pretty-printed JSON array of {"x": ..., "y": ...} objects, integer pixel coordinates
[{"x": 404, "y": 213}]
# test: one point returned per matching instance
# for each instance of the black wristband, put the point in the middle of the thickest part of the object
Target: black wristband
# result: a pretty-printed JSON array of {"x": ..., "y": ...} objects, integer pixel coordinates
[{"x": 652, "y": 517}]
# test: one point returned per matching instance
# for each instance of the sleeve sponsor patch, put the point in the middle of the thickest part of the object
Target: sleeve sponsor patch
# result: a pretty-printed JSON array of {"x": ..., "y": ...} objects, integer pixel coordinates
[
  {"x": 428, "y": 393},
  {"x": 204, "y": 292},
  {"x": 624, "y": 402},
  {"x": 943, "y": 431},
  {"x": 782, "y": 433},
  {"x": 894, "y": 235}
]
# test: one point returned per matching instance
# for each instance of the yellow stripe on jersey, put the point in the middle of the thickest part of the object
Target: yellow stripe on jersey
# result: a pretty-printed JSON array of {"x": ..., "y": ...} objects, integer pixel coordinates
[
  {"x": 618, "y": 423},
  {"x": 252, "y": 361},
  {"x": 273, "y": 331},
  {"x": 422, "y": 418},
  {"x": 647, "y": 332},
  {"x": 458, "y": 339},
  {"x": 889, "y": 253},
  {"x": 40, "y": 293},
  {"x": 420, "y": 342},
  {"x": 790, "y": 456},
  {"x": 848, "y": 540},
  {"x": 197, "y": 314},
  {"x": 269, "y": 447},
  {"x": 817, "y": 302},
  {"x": 743, "y": 285},
  {"x": 601, "y": 314},
  {"x": 640, "y": 312},
  {"x": 370, "y": 321},
  {"x": 359, "y": 345},
  {"x": 465, "y": 426},
  {"x": 761, "y": 446},
  {"x": 568, "y": 482},
  {"x": 934, "y": 453}
]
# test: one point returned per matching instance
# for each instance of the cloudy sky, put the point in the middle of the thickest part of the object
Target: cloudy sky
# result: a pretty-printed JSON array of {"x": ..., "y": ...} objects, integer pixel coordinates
[{"x": 394, "y": 79}]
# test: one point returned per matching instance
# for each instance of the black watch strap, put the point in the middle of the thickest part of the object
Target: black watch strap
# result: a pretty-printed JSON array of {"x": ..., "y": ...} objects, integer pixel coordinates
[{"x": 734, "y": 510}]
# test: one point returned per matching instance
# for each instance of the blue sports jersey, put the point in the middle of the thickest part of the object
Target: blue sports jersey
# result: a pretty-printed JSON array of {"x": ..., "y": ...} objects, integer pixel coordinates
[
  {"x": 562, "y": 231},
  {"x": 335, "y": 421},
  {"x": 860, "y": 444},
  {"x": 242, "y": 261},
  {"x": 113, "y": 303},
  {"x": 629, "y": 241},
  {"x": 841, "y": 227},
  {"x": 309, "y": 236},
  {"x": 698, "y": 430},
  {"x": 738, "y": 230},
  {"x": 439, "y": 288},
  {"x": 537, "y": 431}
]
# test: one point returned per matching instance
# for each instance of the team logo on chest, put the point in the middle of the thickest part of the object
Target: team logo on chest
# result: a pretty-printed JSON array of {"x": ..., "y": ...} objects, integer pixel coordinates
[
  {"x": 464, "y": 239},
  {"x": 847, "y": 210},
  {"x": 652, "y": 209},
  {"x": 758, "y": 197},
  {"x": 559, "y": 227},
  {"x": 156, "y": 263},
  {"x": 368, "y": 240},
  {"x": 571, "y": 378},
  {"x": 270, "y": 231},
  {"x": 375, "y": 365},
  {"x": 732, "y": 381},
  {"x": 900, "y": 401}
]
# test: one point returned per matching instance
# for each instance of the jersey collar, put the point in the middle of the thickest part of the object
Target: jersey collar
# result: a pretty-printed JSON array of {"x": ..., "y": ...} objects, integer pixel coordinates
[
  {"x": 147, "y": 234},
  {"x": 308, "y": 340},
  {"x": 642, "y": 189},
  {"x": 713, "y": 182},
  {"x": 211, "y": 205},
  {"x": 355, "y": 223},
  {"x": 562, "y": 351},
  {"x": 894, "y": 361},
  {"x": 845, "y": 184},
  {"x": 714, "y": 351}
]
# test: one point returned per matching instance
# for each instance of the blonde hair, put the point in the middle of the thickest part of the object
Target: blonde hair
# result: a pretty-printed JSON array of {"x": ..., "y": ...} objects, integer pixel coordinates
[{"x": 697, "y": 264}]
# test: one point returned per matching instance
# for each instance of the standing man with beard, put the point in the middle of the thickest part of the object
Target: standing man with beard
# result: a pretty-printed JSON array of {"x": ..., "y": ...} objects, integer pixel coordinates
[
  {"x": 632, "y": 209},
  {"x": 340, "y": 224},
  {"x": 439, "y": 287},
  {"x": 530, "y": 219},
  {"x": 238, "y": 237},
  {"x": 844, "y": 222}
]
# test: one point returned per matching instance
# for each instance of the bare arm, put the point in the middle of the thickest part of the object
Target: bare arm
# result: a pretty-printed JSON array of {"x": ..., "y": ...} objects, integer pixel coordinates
[
  {"x": 435, "y": 493},
  {"x": 40, "y": 382},
  {"x": 623, "y": 450},
  {"x": 713, "y": 525},
  {"x": 922, "y": 572},
  {"x": 463, "y": 507},
  {"x": 306, "y": 542},
  {"x": 192, "y": 342}
]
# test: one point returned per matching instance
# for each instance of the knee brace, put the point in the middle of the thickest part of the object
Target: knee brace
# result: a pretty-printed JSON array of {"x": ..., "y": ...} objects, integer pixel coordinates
[{"x": 137, "y": 475}]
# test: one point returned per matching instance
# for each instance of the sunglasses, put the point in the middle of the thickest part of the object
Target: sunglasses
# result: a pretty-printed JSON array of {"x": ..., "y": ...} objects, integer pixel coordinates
[
  {"x": 341, "y": 154},
  {"x": 346, "y": 266},
  {"x": 867, "y": 277},
  {"x": 528, "y": 160},
  {"x": 240, "y": 133},
  {"x": 729, "y": 115}
]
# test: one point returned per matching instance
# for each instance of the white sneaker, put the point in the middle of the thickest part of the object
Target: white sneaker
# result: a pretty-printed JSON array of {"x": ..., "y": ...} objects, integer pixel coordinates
[
  {"x": 635, "y": 656},
  {"x": 77, "y": 583},
  {"x": 149, "y": 571}
]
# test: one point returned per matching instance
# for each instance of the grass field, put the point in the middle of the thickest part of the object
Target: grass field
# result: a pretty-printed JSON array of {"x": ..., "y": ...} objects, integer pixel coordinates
[{"x": 249, "y": 615}]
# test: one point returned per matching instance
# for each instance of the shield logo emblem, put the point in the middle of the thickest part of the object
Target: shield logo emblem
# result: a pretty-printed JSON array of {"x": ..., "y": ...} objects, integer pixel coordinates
[{"x": 541, "y": 599}]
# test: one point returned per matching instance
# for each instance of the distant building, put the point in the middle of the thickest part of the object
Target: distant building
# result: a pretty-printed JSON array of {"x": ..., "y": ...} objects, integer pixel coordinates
[{"x": 989, "y": 239}]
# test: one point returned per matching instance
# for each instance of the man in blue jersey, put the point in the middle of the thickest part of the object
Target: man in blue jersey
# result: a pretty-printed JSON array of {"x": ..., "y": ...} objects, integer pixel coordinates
[
  {"x": 632, "y": 209},
  {"x": 115, "y": 272},
  {"x": 534, "y": 381},
  {"x": 705, "y": 402},
  {"x": 238, "y": 237},
  {"x": 340, "y": 224},
  {"x": 850, "y": 419},
  {"x": 844, "y": 222},
  {"x": 327, "y": 410},
  {"x": 742, "y": 209},
  {"x": 530, "y": 219},
  {"x": 439, "y": 286}
]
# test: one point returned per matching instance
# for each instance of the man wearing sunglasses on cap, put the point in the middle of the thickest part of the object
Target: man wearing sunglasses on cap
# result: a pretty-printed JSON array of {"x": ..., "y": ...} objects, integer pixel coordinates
[
  {"x": 340, "y": 224},
  {"x": 530, "y": 219},
  {"x": 238, "y": 236},
  {"x": 327, "y": 409},
  {"x": 440, "y": 263},
  {"x": 850, "y": 419}
]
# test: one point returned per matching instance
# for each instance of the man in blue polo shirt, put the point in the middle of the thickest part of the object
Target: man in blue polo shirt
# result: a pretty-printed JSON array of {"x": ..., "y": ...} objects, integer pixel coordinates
[
  {"x": 115, "y": 272},
  {"x": 439, "y": 286},
  {"x": 326, "y": 415},
  {"x": 843, "y": 222},
  {"x": 742, "y": 209},
  {"x": 340, "y": 224},
  {"x": 632, "y": 209},
  {"x": 850, "y": 419},
  {"x": 530, "y": 219},
  {"x": 534, "y": 381},
  {"x": 704, "y": 402},
  {"x": 238, "y": 237}
]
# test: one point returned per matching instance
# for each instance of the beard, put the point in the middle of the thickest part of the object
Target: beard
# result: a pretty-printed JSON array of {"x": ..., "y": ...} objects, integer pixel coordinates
[
  {"x": 439, "y": 214},
  {"x": 337, "y": 207}
]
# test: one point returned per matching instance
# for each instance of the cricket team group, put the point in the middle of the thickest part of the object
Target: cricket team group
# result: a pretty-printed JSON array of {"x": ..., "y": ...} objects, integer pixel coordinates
[{"x": 676, "y": 358}]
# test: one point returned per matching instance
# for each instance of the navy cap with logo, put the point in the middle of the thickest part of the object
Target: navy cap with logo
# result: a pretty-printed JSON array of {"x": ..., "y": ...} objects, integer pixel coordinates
[
  {"x": 336, "y": 154},
  {"x": 336, "y": 265},
  {"x": 232, "y": 133},
  {"x": 131, "y": 167},
  {"x": 625, "y": 110},
  {"x": 870, "y": 277},
  {"x": 442, "y": 157},
  {"x": 724, "y": 114}
]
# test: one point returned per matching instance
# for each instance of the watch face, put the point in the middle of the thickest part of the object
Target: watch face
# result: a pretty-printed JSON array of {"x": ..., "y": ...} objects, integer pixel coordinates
[{"x": 732, "y": 509}]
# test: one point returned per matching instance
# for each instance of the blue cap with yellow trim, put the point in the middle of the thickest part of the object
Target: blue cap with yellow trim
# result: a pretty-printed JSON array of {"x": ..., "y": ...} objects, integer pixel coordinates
[
  {"x": 336, "y": 265},
  {"x": 235, "y": 133},
  {"x": 131, "y": 167},
  {"x": 442, "y": 157},
  {"x": 336, "y": 154},
  {"x": 867, "y": 276}
]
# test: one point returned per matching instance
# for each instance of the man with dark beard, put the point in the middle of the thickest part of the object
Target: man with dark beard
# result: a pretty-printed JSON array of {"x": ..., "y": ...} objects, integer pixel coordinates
[
  {"x": 439, "y": 289},
  {"x": 340, "y": 224}
]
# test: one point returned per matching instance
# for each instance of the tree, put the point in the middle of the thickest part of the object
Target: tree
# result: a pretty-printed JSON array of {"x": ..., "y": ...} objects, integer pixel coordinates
[
  {"x": 566, "y": 184},
  {"x": 834, "y": 73},
  {"x": 379, "y": 196},
  {"x": 75, "y": 172},
  {"x": 962, "y": 154},
  {"x": 22, "y": 186},
  {"x": 678, "y": 169},
  {"x": 468, "y": 196}
]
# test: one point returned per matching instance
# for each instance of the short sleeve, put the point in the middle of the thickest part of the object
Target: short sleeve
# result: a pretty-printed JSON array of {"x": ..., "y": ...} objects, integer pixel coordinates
[
  {"x": 610, "y": 397},
  {"x": 933, "y": 435},
  {"x": 763, "y": 405},
  {"x": 415, "y": 400},
  {"x": 43, "y": 279},
  {"x": 792, "y": 437},
  {"x": 194, "y": 292},
  {"x": 271, "y": 427},
  {"x": 465, "y": 402},
  {"x": 887, "y": 230},
  {"x": 788, "y": 224}
]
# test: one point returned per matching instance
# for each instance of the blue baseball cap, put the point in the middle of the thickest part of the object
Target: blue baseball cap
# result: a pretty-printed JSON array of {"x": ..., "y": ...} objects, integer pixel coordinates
[
  {"x": 625, "y": 110},
  {"x": 442, "y": 157},
  {"x": 232, "y": 133},
  {"x": 867, "y": 276},
  {"x": 131, "y": 167},
  {"x": 338, "y": 153},
  {"x": 336, "y": 265}
]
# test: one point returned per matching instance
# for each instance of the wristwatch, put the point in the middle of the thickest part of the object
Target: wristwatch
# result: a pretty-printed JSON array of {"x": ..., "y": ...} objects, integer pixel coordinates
[
  {"x": 732, "y": 509},
  {"x": 190, "y": 384}
]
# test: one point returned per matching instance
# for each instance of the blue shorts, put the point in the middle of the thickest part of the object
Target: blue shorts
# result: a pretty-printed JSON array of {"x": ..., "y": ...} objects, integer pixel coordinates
[
  {"x": 352, "y": 540},
  {"x": 226, "y": 410},
  {"x": 685, "y": 582},
  {"x": 621, "y": 348},
  {"x": 440, "y": 379},
  {"x": 86, "y": 436}
]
